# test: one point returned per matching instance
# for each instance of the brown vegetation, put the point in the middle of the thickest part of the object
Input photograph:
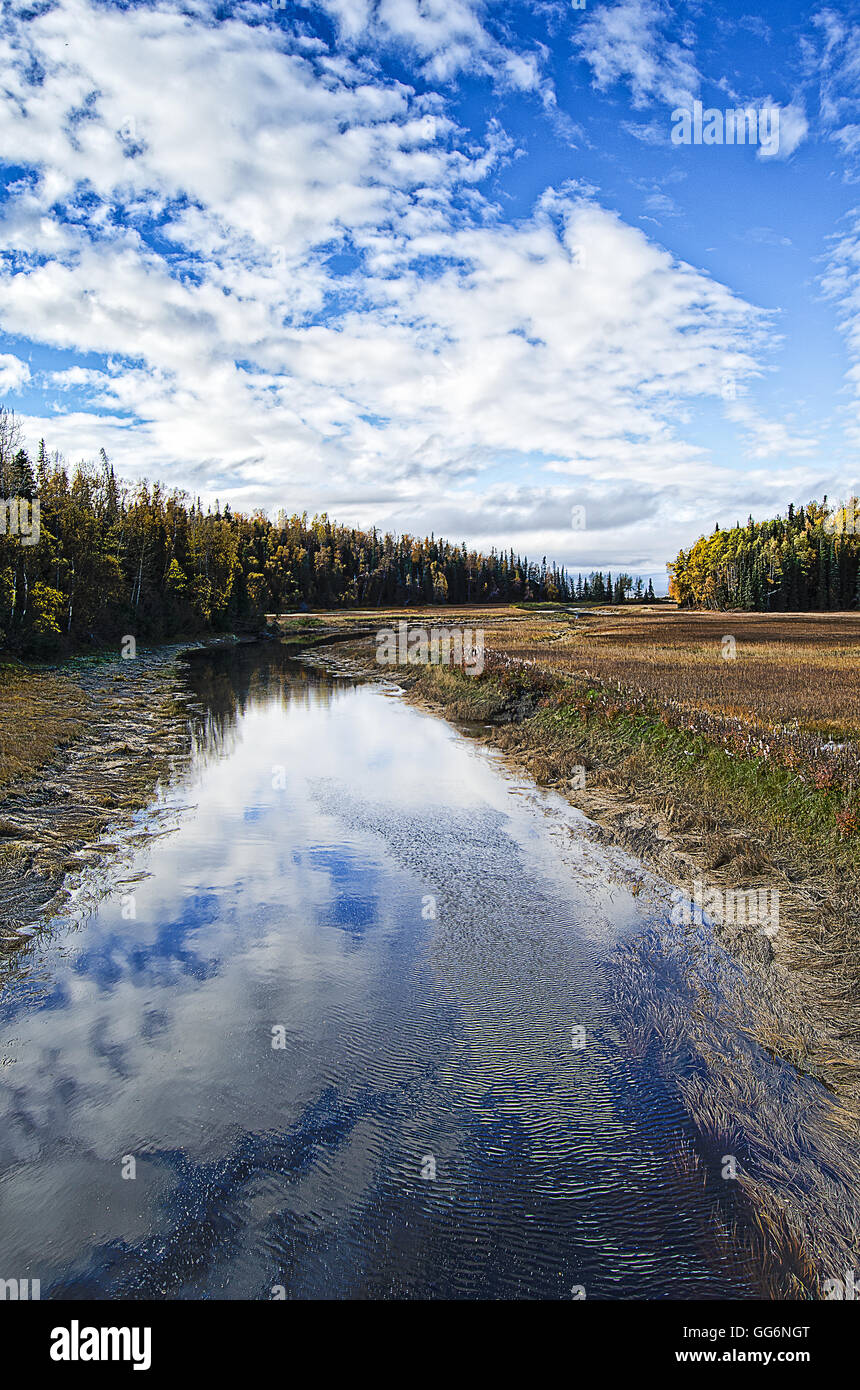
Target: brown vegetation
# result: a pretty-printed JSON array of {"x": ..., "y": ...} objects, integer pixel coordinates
[{"x": 39, "y": 714}]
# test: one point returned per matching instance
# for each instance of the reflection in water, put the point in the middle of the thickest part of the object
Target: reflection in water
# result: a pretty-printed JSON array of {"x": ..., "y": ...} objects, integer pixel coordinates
[{"x": 353, "y": 878}]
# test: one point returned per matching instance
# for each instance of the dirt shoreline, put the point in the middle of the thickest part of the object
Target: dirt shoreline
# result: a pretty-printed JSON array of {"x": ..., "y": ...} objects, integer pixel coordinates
[{"x": 130, "y": 733}]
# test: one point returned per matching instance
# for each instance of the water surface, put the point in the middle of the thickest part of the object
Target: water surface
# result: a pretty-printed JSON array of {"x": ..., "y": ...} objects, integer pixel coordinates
[{"x": 422, "y": 930}]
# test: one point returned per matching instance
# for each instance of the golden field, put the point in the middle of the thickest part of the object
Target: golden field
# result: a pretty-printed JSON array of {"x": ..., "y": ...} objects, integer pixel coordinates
[{"x": 787, "y": 667}]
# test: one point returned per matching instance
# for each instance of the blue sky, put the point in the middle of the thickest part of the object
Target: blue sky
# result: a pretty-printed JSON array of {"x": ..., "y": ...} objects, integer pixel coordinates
[{"x": 440, "y": 264}]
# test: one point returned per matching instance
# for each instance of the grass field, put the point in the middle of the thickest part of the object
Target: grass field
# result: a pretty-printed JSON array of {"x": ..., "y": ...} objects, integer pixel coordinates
[
  {"x": 768, "y": 704},
  {"x": 798, "y": 671},
  {"x": 785, "y": 667},
  {"x": 660, "y": 647}
]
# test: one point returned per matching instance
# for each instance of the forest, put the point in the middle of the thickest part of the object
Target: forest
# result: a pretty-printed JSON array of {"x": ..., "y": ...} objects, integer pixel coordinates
[
  {"x": 809, "y": 559},
  {"x": 115, "y": 559}
]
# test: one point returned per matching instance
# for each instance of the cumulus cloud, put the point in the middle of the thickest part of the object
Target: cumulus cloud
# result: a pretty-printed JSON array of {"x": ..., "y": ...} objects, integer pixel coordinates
[
  {"x": 293, "y": 290},
  {"x": 13, "y": 372}
]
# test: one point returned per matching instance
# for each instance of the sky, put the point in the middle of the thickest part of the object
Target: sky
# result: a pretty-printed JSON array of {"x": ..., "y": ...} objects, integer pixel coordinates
[{"x": 488, "y": 269}]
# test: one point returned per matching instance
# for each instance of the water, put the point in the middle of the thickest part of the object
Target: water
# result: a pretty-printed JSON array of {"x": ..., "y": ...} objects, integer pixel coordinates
[{"x": 422, "y": 931}]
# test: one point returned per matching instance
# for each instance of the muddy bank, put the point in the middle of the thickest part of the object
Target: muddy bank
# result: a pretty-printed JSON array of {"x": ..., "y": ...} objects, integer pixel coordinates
[
  {"x": 132, "y": 732},
  {"x": 119, "y": 728}
]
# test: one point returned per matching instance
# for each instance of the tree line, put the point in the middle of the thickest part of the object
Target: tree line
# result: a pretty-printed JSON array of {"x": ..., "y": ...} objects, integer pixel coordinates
[
  {"x": 808, "y": 559},
  {"x": 115, "y": 559},
  {"x": 623, "y": 589}
]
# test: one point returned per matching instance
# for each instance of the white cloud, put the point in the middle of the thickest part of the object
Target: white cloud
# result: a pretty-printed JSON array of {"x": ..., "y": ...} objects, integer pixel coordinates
[
  {"x": 628, "y": 42},
  {"x": 184, "y": 228},
  {"x": 836, "y": 63},
  {"x": 447, "y": 37},
  {"x": 652, "y": 133},
  {"x": 13, "y": 372},
  {"x": 768, "y": 438},
  {"x": 793, "y": 130},
  {"x": 841, "y": 284}
]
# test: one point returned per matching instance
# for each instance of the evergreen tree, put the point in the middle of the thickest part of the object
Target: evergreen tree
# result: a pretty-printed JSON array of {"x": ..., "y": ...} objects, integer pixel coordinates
[{"x": 808, "y": 560}]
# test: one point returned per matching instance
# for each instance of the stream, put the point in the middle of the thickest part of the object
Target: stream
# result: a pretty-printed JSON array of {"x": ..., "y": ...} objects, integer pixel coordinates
[{"x": 344, "y": 1027}]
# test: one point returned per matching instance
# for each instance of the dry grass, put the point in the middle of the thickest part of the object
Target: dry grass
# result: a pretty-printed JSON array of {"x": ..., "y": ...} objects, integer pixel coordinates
[
  {"x": 39, "y": 714},
  {"x": 788, "y": 667},
  {"x": 126, "y": 727}
]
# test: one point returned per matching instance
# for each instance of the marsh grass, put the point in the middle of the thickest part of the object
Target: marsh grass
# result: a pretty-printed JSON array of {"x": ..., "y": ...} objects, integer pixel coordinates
[
  {"x": 556, "y": 725},
  {"x": 40, "y": 713},
  {"x": 788, "y": 668}
]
